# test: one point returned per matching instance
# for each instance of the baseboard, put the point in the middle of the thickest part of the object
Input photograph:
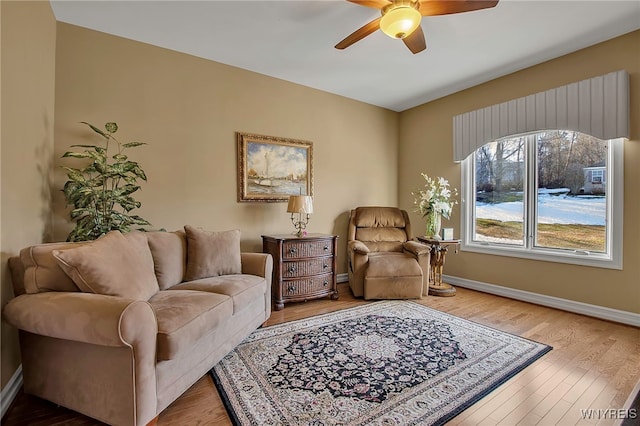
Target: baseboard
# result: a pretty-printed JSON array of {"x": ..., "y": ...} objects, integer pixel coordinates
[
  {"x": 624, "y": 317},
  {"x": 342, "y": 278},
  {"x": 10, "y": 391},
  {"x": 632, "y": 397}
]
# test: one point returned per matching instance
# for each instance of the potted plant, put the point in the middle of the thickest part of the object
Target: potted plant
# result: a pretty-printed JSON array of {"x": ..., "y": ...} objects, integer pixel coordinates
[
  {"x": 101, "y": 192},
  {"x": 435, "y": 202}
]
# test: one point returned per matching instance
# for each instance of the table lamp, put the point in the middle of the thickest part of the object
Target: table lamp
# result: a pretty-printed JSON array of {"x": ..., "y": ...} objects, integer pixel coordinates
[{"x": 303, "y": 206}]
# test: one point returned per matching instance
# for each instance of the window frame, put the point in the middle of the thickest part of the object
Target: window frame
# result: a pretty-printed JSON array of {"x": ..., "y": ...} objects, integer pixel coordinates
[{"x": 614, "y": 180}]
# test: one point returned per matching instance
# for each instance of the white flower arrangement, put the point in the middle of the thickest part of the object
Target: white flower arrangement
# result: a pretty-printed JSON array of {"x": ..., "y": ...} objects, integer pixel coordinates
[{"x": 436, "y": 197}]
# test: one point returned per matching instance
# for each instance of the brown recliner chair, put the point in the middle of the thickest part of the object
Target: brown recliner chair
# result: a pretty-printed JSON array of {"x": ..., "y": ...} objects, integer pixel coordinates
[{"x": 383, "y": 261}]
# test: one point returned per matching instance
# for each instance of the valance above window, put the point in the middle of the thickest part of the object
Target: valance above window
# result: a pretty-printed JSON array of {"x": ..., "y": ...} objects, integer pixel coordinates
[{"x": 598, "y": 106}]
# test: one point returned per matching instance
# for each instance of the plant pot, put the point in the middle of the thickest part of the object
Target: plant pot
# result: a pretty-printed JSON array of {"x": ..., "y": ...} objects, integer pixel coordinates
[{"x": 434, "y": 224}]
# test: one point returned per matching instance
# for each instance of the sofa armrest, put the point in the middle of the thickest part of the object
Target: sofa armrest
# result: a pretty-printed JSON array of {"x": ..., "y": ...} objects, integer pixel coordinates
[
  {"x": 65, "y": 336},
  {"x": 260, "y": 264},
  {"x": 17, "y": 275},
  {"x": 82, "y": 317}
]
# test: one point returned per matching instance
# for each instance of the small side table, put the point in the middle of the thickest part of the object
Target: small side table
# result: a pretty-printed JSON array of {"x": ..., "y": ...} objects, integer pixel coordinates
[{"x": 439, "y": 250}]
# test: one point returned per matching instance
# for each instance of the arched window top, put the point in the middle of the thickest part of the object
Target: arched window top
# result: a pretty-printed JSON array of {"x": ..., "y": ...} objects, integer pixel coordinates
[{"x": 598, "y": 106}]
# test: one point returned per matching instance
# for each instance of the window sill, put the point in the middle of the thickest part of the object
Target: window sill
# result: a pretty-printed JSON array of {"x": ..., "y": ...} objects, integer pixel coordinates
[{"x": 596, "y": 260}]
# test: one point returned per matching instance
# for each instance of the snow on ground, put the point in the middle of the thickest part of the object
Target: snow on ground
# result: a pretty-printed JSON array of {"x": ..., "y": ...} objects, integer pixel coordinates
[
  {"x": 480, "y": 237},
  {"x": 559, "y": 209}
]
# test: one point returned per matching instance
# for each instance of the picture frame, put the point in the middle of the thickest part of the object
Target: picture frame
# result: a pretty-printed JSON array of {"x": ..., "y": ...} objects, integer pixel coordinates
[{"x": 271, "y": 168}]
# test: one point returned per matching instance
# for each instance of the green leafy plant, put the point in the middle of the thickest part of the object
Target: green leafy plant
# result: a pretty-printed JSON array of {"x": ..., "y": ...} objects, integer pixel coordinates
[{"x": 101, "y": 192}]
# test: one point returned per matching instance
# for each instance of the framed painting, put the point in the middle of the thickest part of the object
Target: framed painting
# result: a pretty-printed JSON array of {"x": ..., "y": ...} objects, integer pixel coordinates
[{"x": 270, "y": 169}]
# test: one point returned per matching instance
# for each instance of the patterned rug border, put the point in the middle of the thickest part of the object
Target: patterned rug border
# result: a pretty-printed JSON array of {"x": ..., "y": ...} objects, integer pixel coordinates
[
  {"x": 225, "y": 399},
  {"x": 371, "y": 305}
]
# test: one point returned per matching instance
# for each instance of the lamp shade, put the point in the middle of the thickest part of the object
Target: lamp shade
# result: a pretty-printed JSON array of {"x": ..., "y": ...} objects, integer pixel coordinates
[
  {"x": 400, "y": 21},
  {"x": 300, "y": 204}
]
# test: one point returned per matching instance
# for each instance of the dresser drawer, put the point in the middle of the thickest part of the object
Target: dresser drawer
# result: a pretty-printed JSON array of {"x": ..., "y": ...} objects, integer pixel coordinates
[
  {"x": 307, "y": 286},
  {"x": 303, "y": 268},
  {"x": 306, "y": 248}
]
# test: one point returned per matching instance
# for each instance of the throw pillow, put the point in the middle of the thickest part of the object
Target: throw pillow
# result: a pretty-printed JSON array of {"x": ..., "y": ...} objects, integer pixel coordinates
[
  {"x": 210, "y": 254},
  {"x": 169, "y": 251},
  {"x": 114, "y": 265}
]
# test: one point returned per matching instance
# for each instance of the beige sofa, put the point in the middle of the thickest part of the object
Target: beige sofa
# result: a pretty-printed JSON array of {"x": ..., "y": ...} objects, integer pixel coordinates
[{"x": 117, "y": 329}]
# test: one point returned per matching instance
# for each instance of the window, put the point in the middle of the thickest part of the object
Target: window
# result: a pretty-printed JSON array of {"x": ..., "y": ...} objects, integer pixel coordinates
[
  {"x": 552, "y": 195},
  {"x": 597, "y": 176}
]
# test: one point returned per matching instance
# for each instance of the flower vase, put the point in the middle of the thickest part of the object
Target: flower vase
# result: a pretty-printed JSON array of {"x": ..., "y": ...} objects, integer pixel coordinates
[{"x": 434, "y": 223}]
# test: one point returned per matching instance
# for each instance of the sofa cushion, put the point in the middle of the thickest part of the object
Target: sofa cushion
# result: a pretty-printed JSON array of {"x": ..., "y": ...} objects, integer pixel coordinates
[
  {"x": 42, "y": 271},
  {"x": 169, "y": 251},
  {"x": 243, "y": 289},
  {"x": 185, "y": 316},
  {"x": 114, "y": 265},
  {"x": 210, "y": 254}
]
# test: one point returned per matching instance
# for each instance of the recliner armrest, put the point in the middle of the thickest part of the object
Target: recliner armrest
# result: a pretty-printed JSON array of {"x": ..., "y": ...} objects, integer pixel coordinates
[
  {"x": 83, "y": 317},
  {"x": 358, "y": 247},
  {"x": 416, "y": 248}
]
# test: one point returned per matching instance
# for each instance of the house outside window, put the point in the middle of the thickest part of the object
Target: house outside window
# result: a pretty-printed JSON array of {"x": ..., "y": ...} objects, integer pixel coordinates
[
  {"x": 594, "y": 180},
  {"x": 551, "y": 195}
]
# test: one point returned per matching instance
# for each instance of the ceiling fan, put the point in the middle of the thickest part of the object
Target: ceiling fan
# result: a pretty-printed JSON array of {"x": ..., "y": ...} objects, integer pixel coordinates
[{"x": 401, "y": 18}]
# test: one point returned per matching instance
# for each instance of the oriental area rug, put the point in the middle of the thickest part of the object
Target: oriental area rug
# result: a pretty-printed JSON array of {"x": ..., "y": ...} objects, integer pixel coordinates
[{"x": 383, "y": 363}]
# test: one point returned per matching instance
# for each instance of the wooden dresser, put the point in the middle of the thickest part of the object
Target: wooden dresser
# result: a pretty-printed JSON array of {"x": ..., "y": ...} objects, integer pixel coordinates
[{"x": 303, "y": 267}]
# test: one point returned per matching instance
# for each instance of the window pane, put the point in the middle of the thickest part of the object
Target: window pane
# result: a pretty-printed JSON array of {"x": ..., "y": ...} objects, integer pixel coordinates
[
  {"x": 571, "y": 191},
  {"x": 499, "y": 186}
]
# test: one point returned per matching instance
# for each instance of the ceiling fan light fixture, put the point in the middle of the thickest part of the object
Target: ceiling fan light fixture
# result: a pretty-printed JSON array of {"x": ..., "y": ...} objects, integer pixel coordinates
[{"x": 400, "y": 19}]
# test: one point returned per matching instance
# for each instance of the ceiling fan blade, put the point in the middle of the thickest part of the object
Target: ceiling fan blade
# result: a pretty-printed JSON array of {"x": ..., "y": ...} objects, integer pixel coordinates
[
  {"x": 447, "y": 7},
  {"x": 376, "y": 4},
  {"x": 359, "y": 34},
  {"x": 415, "y": 41}
]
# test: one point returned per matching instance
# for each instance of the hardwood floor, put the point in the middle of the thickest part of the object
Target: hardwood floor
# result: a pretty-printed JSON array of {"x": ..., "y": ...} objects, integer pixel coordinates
[{"x": 595, "y": 364}]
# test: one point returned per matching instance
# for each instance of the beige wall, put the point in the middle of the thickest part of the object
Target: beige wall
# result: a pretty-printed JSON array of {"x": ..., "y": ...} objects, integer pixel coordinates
[
  {"x": 28, "y": 81},
  {"x": 426, "y": 146},
  {"x": 188, "y": 109}
]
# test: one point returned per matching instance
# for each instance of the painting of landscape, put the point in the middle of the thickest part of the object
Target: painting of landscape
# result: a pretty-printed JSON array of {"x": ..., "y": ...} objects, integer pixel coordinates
[{"x": 272, "y": 169}]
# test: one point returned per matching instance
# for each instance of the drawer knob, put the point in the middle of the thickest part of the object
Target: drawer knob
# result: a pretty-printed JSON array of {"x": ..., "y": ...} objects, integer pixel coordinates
[
  {"x": 293, "y": 250},
  {"x": 326, "y": 248},
  {"x": 325, "y": 283},
  {"x": 291, "y": 269},
  {"x": 292, "y": 288},
  {"x": 325, "y": 266}
]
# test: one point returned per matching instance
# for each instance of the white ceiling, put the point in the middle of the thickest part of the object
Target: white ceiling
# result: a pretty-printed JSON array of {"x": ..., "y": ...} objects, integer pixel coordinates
[{"x": 293, "y": 40}]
